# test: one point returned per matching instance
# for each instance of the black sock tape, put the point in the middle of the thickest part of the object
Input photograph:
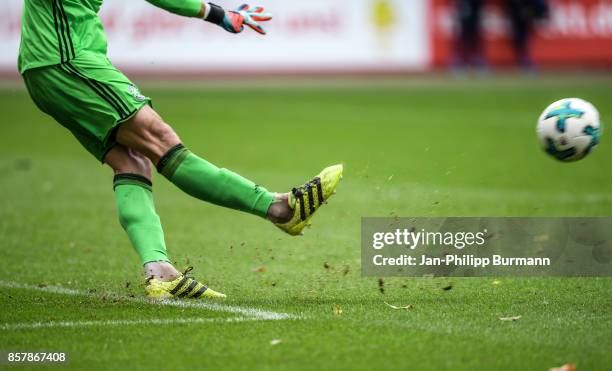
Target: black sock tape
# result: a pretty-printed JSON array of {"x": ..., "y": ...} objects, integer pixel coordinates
[
  {"x": 129, "y": 178},
  {"x": 168, "y": 156}
]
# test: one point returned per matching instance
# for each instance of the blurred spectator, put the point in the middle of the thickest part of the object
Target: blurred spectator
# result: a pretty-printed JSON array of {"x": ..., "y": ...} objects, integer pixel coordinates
[
  {"x": 522, "y": 14},
  {"x": 469, "y": 43},
  {"x": 468, "y": 47}
]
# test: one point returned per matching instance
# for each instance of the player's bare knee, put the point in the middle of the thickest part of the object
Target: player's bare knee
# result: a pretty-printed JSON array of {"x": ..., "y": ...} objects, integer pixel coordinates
[
  {"x": 167, "y": 136},
  {"x": 148, "y": 133},
  {"x": 158, "y": 131},
  {"x": 128, "y": 161},
  {"x": 139, "y": 163}
]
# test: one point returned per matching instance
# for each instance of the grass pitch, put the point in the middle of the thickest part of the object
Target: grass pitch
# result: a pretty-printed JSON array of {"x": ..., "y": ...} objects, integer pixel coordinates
[{"x": 71, "y": 282}]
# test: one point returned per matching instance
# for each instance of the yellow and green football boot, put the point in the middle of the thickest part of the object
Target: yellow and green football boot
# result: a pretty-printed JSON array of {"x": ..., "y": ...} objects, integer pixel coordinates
[
  {"x": 308, "y": 198},
  {"x": 182, "y": 287}
]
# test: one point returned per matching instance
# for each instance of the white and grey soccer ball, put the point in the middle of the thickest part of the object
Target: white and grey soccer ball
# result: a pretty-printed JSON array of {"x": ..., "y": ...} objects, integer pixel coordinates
[{"x": 569, "y": 129}]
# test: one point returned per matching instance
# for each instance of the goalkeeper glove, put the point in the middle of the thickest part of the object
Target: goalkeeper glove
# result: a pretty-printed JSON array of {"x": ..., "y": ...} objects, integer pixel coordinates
[{"x": 234, "y": 20}]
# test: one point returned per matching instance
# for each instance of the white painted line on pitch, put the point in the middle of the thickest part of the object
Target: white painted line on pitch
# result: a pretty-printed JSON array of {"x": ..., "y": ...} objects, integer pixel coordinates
[
  {"x": 154, "y": 321},
  {"x": 245, "y": 311}
]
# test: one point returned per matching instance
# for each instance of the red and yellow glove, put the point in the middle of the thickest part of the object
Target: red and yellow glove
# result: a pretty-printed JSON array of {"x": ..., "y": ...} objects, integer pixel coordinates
[{"x": 234, "y": 20}]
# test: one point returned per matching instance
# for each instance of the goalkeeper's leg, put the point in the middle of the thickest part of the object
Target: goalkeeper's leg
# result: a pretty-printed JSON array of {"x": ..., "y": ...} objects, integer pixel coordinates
[
  {"x": 136, "y": 211},
  {"x": 147, "y": 133},
  {"x": 133, "y": 194}
]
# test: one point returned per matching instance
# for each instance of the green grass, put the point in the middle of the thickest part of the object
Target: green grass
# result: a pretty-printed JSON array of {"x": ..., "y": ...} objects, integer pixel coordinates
[{"x": 452, "y": 149}]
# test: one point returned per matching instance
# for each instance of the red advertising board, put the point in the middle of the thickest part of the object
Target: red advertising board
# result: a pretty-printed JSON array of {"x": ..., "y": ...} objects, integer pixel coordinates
[{"x": 576, "y": 33}]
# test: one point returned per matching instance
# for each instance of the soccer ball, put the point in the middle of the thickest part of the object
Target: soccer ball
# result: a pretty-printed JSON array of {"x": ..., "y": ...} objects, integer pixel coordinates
[{"x": 569, "y": 129}]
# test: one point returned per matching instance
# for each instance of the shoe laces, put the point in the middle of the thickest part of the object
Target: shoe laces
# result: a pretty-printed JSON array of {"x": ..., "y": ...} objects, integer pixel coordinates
[
  {"x": 188, "y": 269},
  {"x": 307, "y": 189},
  {"x": 298, "y": 192}
]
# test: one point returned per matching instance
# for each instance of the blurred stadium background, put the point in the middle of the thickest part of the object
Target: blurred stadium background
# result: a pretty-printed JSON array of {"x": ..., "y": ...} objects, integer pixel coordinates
[{"x": 347, "y": 37}]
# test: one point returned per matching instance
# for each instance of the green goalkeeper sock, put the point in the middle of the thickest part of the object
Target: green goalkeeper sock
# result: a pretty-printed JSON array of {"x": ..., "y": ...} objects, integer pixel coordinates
[
  {"x": 201, "y": 179},
  {"x": 138, "y": 218}
]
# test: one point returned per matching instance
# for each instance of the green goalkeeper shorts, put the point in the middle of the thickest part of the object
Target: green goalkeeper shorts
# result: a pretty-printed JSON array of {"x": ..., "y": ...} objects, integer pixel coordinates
[{"x": 88, "y": 96}]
